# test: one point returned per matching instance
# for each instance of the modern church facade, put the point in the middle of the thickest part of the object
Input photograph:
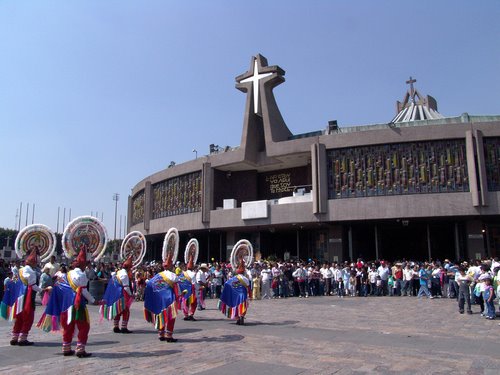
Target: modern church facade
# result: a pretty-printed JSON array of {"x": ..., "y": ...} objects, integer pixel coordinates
[{"x": 422, "y": 186}]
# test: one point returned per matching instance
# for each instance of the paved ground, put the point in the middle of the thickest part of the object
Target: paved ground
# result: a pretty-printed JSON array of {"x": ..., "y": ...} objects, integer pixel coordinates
[{"x": 318, "y": 335}]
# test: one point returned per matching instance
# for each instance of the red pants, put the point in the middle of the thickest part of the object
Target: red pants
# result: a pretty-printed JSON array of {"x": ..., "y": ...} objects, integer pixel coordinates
[
  {"x": 69, "y": 330},
  {"x": 125, "y": 315},
  {"x": 191, "y": 309},
  {"x": 169, "y": 328},
  {"x": 23, "y": 323}
]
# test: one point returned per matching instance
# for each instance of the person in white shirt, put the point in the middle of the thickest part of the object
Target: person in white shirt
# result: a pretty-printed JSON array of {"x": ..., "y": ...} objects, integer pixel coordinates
[
  {"x": 384, "y": 272},
  {"x": 201, "y": 285},
  {"x": 160, "y": 302},
  {"x": 24, "y": 319},
  {"x": 327, "y": 275},
  {"x": 78, "y": 282},
  {"x": 265, "y": 274},
  {"x": 68, "y": 306},
  {"x": 53, "y": 266},
  {"x": 124, "y": 277},
  {"x": 217, "y": 281},
  {"x": 407, "y": 276},
  {"x": 300, "y": 276}
]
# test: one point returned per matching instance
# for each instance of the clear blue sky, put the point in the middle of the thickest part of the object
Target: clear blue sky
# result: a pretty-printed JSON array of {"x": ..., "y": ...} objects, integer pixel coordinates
[{"x": 96, "y": 95}]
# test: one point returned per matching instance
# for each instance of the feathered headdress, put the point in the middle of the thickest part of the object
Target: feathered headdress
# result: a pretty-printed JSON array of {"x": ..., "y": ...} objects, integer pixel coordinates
[
  {"x": 128, "y": 263},
  {"x": 241, "y": 268},
  {"x": 81, "y": 259},
  {"x": 167, "y": 264},
  {"x": 31, "y": 260}
]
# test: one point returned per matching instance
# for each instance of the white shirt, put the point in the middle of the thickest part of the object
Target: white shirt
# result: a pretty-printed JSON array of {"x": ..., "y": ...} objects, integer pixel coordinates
[
  {"x": 80, "y": 280},
  {"x": 300, "y": 273},
  {"x": 266, "y": 275},
  {"x": 383, "y": 272},
  {"x": 327, "y": 273},
  {"x": 53, "y": 268},
  {"x": 337, "y": 274},
  {"x": 192, "y": 275},
  {"x": 217, "y": 278},
  {"x": 122, "y": 275},
  {"x": 200, "y": 278},
  {"x": 171, "y": 276},
  {"x": 30, "y": 275},
  {"x": 407, "y": 274}
]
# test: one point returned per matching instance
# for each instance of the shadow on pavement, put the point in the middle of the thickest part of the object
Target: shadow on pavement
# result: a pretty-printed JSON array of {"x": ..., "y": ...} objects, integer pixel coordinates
[
  {"x": 283, "y": 323},
  {"x": 58, "y": 344},
  {"x": 223, "y": 338},
  {"x": 187, "y": 330},
  {"x": 135, "y": 354},
  {"x": 155, "y": 332}
]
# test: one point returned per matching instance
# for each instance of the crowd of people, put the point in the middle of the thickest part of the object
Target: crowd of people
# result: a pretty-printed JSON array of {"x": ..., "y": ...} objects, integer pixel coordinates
[
  {"x": 474, "y": 282},
  {"x": 470, "y": 283}
]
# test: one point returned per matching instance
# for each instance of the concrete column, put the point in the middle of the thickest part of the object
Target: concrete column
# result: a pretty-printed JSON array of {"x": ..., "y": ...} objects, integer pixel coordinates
[
  {"x": 429, "y": 250},
  {"x": 129, "y": 213},
  {"x": 471, "y": 168},
  {"x": 376, "y": 243},
  {"x": 148, "y": 203},
  {"x": 457, "y": 243},
  {"x": 350, "y": 243},
  {"x": 481, "y": 166},
  {"x": 298, "y": 244},
  {"x": 319, "y": 178},
  {"x": 207, "y": 194}
]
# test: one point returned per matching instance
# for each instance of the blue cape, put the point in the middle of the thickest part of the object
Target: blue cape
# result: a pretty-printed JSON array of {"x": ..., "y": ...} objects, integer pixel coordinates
[
  {"x": 185, "y": 285},
  {"x": 234, "y": 292},
  {"x": 13, "y": 290},
  {"x": 158, "y": 295},
  {"x": 61, "y": 299},
  {"x": 114, "y": 291}
]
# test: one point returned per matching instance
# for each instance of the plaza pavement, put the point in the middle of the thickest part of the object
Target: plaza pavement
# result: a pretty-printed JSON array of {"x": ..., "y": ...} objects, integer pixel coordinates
[{"x": 318, "y": 335}]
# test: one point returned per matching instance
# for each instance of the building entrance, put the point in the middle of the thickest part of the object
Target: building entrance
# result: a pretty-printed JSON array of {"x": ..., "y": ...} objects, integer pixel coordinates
[{"x": 403, "y": 239}]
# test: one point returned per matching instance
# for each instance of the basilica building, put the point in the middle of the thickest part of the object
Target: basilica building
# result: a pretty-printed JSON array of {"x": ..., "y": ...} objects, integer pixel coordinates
[{"x": 420, "y": 186}]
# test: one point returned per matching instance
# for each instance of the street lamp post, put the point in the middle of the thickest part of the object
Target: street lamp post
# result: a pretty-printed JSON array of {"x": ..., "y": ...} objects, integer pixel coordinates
[
  {"x": 116, "y": 197},
  {"x": 195, "y": 153}
]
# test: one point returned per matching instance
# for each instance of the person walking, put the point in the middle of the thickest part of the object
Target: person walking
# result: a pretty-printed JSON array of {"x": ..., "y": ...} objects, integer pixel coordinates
[
  {"x": 464, "y": 281},
  {"x": 424, "y": 282}
]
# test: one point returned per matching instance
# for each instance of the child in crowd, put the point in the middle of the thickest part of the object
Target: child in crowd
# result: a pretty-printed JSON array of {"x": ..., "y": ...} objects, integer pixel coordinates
[
  {"x": 275, "y": 284},
  {"x": 341, "y": 288},
  {"x": 352, "y": 285},
  {"x": 256, "y": 286},
  {"x": 380, "y": 286},
  {"x": 391, "y": 285},
  {"x": 489, "y": 298}
]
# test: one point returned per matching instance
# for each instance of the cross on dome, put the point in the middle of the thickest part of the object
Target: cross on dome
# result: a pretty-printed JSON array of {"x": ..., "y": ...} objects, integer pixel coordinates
[
  {"x": 410, "y": 82},
  {"x": 255, "y": 84}
]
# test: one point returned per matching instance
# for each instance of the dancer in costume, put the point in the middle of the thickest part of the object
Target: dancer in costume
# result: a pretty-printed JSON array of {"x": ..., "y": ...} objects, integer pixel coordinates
[
  {"x": 160, "y": 294},
  {"x": 233, "y": 302},
  {"x": 18, "y": 302},
  {"x": 67, "y": 308},
  {"x": 187, "y": 278},
  {"x": 119, "y": 297}
]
